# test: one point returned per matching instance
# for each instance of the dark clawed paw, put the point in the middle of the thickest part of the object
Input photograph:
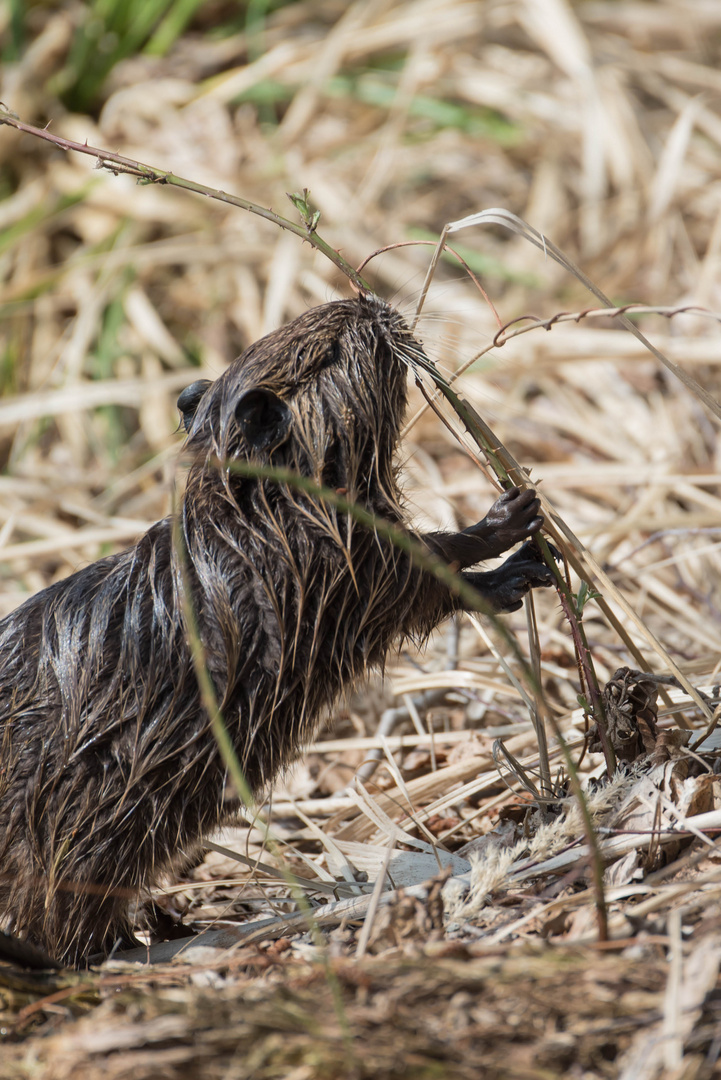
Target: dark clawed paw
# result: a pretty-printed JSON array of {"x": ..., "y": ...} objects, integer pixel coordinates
[
  {"x": 535, "y": 573},
  {"x": 514, "y": 517},
  {"x": 525, "y": 578},
  {"x": 515, "y": 514},
  {"x": 505, "y": 588},
  {"x": 528, "y": 555}
]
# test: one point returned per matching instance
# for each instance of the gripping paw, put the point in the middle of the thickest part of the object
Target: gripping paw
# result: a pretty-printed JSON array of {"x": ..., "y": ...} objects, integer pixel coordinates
[
  {"x": 514, "y": 516},
  {"x": 505, "y": 588}
]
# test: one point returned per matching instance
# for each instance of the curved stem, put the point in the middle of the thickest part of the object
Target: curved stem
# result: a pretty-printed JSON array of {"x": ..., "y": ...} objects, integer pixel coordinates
[{"x": 117, "y": 163}]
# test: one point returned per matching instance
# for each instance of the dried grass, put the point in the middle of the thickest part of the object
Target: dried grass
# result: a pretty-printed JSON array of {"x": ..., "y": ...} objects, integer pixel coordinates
[{"x": 598, "y": 124}]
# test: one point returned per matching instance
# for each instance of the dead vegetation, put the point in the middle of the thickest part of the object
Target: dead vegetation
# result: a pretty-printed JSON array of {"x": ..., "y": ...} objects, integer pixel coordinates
[{"x": 600, "y": 125}]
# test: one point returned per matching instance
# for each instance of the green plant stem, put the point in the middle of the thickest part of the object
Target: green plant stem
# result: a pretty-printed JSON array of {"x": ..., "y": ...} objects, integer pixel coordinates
[
  {"x": 591, "y": 838},
  {"x": 116, "y": 163},
  {"x": 454, "y": 581},
  {"x": 397, "y": 536},
  {"x": 232, "y": 764},
  {"x": 205, "y": 683}
]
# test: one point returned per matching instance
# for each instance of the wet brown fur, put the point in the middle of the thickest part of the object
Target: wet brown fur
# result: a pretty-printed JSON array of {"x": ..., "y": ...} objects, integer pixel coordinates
[{"x": 108, "y": 770}]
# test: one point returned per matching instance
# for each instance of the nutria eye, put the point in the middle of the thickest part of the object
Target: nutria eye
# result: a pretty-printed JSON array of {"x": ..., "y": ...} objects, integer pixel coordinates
[
  {"x": 264, "y": 419},
  {"x": 189, "y": 399},
  {"x": 330, "y": 357}
]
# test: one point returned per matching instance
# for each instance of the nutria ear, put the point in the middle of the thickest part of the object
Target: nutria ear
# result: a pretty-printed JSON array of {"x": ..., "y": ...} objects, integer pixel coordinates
[
  {"x": 189, "y": 399},
  {"x": 263, "y": 418}
]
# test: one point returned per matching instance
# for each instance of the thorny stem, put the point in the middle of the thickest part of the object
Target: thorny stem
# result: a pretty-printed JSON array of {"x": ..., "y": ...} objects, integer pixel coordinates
[
  {"x": 148, "y": 174},
  {"x": 585, "y": 662},
  {"x": 578, "y": 633},
  {"x": 510, "y": 330},
  {"x": 483, "y": 437}
]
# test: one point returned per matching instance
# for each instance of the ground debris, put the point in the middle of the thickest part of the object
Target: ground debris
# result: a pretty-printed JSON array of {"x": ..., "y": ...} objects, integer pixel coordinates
[{"x": 542, "y": 1009}]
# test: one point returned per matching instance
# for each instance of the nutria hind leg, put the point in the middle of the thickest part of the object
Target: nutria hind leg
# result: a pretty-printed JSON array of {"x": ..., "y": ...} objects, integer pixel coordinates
[
  {"x": 159, "y": 925},
  {"x": 80, "y": 933},
  {"x": 118, "y": 936},
  {"x": 24, "y": 954},
  {"x": 122, "y": 942}
]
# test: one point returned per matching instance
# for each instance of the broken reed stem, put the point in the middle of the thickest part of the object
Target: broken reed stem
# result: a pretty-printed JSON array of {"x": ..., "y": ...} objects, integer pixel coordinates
[{"x": 148, "y": 174}]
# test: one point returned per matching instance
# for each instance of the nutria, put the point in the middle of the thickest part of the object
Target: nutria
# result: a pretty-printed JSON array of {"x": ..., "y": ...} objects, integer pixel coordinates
[{"x": 108, "y": 768}]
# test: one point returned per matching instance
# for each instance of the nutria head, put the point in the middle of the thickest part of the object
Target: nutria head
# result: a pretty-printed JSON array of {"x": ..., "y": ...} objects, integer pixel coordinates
[{"x": 324, "y": 397}]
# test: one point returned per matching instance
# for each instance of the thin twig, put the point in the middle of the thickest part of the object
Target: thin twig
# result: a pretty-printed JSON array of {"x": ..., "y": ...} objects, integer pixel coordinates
[{"x": 117, "y": 163}]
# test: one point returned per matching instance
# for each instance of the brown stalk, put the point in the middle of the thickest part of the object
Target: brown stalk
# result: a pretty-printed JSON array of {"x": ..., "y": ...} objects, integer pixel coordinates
[{"x": 117, "y": 163}]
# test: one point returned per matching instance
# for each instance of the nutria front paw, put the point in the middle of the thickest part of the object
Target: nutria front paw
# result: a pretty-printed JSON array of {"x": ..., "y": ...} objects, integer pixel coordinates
[
  {"x": 504, "y": 589},
  {"x": 514, "y": 516}
]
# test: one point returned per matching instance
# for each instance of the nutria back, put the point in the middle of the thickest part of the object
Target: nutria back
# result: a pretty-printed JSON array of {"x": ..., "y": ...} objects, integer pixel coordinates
[{"x": 109, "y": 771}]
